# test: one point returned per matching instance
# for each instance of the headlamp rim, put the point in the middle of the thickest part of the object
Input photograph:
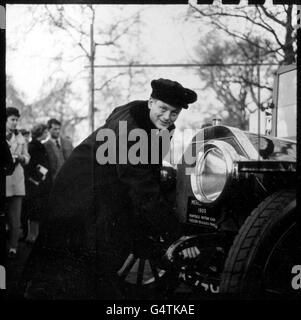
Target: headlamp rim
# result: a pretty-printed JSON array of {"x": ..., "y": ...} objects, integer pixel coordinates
[{"x": 230, "y": 156}]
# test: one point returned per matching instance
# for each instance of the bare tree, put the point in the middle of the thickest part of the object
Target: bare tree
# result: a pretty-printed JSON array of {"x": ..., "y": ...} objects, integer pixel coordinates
[
  {"x": 269, "y": 22},
  {"x": 82, "y": 37},
  {"x": 14, "y": 98},
  {"x": 252, "y": 35},
  {"x": 50, "y": 105},
  {"x": 234, "y": 85},
  {"x": 87, "y": 36}
]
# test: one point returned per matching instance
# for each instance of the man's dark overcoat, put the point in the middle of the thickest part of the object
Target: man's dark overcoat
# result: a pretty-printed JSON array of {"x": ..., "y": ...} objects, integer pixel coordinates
[
  {"x": 98, "y": 210},
  {"x": 58, "y": 156},
  {"x": 37, "y": 189}
]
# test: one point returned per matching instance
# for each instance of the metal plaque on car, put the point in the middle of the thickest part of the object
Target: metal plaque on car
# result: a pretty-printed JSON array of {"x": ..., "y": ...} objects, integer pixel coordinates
[{"x": 200, "y": 214}]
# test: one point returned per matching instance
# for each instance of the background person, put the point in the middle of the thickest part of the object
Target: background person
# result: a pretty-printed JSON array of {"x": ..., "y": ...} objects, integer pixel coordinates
[
  {"x": 8, "y": 169},
  {"x": 15, "y": 185},
  {"x": 26, "y": 134},
  {"x": 38, "y": 181},
  {"x": 58, "y": 147}
]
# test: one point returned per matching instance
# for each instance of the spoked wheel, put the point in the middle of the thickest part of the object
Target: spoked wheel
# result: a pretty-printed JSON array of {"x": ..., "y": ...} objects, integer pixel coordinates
[
  {"x": 260, "y": 261},
  {"x": 173, "y": 276},
  {"x": 200, "y": 276},
  {"x": 144, "y": 274},
  {"x": 141, "y": 271}
]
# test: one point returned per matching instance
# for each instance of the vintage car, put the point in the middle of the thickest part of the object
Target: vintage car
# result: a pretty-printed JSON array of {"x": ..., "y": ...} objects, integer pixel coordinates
[{"x": 236, "y": 200}]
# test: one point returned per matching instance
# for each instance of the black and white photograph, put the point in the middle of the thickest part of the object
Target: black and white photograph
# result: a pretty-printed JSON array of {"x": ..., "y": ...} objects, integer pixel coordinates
[{"x": 150, "y": 153}]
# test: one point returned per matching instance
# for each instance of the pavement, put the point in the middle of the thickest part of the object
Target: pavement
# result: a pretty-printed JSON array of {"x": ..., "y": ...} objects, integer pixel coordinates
[
  {"x": 16, "y": 265},
  {"x": 14, "y": 269}
]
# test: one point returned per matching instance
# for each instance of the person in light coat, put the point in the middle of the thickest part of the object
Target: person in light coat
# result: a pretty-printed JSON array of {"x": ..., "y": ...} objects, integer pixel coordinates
[{"x": 15, "y": 185}]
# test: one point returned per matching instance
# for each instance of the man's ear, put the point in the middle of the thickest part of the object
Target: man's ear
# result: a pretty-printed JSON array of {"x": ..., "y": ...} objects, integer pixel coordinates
[{"x": 150, "y": 101}]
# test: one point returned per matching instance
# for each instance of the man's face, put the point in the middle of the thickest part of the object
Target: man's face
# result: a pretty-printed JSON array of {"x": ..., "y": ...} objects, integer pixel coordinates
[
  {"x": 162, "y": 114},
  {"x": 55, "y": 131},
  {"x": 11, "y": 122}
]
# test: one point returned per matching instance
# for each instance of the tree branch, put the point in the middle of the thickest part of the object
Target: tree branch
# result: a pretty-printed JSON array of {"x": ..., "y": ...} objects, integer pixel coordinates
[
  {"x": 270, "y": 15},
  {"x": 110, "y": 80}
]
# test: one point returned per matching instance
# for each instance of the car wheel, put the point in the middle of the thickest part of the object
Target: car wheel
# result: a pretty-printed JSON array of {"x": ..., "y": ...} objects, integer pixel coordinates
[{"x": 260, "y": 261}]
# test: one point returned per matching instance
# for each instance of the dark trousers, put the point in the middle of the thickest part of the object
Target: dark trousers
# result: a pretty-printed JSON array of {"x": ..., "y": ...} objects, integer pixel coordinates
[{"x": 14, "y": 205}]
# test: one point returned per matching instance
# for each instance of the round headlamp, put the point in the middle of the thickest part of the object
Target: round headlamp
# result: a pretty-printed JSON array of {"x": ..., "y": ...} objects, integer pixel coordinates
[{"x": 213, "y": 170}]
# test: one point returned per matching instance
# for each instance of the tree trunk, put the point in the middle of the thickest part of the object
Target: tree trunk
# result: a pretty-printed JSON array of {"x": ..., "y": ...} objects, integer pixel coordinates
[{"x": 288, "y": 49}]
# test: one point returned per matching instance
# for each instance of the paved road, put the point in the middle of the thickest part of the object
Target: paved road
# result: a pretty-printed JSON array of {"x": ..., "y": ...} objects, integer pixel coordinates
[{"x": 14, "y": 268}]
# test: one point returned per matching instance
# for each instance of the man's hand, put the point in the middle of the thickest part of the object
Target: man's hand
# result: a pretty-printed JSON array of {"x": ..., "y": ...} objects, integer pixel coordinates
[{"x": 190, "y": 253}]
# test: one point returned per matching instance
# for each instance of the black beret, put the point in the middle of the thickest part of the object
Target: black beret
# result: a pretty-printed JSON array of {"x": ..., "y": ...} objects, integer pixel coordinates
[
  {"x": 173, "y": 93},
  {"x": 11, "y": 111}
]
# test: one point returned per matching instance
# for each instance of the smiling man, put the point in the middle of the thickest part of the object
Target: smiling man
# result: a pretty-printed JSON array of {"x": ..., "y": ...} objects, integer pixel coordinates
[
  {"x": 162, "y": 114},
  {"x": 103, "y": 208}
]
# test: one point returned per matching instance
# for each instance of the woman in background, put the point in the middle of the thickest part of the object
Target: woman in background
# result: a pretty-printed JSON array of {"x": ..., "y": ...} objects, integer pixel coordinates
[
  {"x": 15, "y": 185},
  {"x": 38, "y": 182}
]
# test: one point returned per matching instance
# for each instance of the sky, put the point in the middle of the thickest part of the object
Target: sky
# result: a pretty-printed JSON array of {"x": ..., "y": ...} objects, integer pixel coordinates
[{"x": 165, "y": 40}]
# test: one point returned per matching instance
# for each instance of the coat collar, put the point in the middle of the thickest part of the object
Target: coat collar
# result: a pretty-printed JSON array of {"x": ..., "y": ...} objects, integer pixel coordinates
[
  {"x": 36, "y": 143},
  {"x": 11, "y": 133},
  {"x": 54, "y": 140}
]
